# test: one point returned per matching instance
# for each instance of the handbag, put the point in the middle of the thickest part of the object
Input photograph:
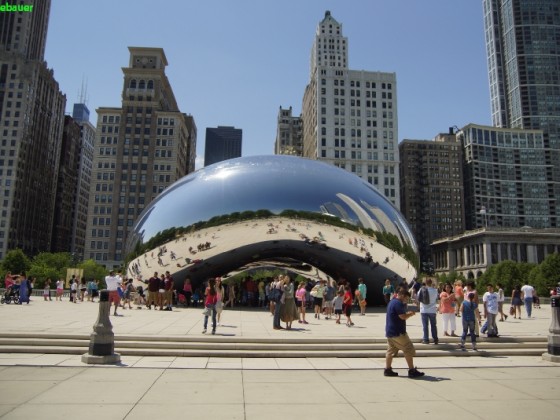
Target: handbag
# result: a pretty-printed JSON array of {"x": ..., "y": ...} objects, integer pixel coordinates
[
  {"x": 206, "y": 311},
  {"x": 512, "y": 310}
]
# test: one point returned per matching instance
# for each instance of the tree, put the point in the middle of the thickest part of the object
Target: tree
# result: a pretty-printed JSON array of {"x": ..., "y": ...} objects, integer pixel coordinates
[
  {"x": 92, "y": 270},
  {"x": 546, "y": 275},
  {"x": 15, "y": 262}
]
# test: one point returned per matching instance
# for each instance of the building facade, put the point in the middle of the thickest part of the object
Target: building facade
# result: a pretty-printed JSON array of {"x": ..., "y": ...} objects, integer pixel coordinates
[
  {"x": 472, "y": 252},
  {"x": 507, "y": 178},
  {"x": 32, "y": 119},
  {"x": 523, "y": 47},
  {"x": 80, "y": 115},
  {"x": 222, "y": 143},
  {"x": 432, "y": 195},
  {"x": 350, "y": 116},
  {"x": 289, "y": 134},
  {"x": 140, "y": 149}
]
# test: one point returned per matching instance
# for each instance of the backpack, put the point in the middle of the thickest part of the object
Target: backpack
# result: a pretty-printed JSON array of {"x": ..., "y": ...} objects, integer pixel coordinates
[{"x": 424, "y": 296}]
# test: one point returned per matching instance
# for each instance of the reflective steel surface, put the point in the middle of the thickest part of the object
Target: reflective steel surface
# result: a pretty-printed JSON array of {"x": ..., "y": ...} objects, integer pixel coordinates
[{"x": 273, "y": 211}]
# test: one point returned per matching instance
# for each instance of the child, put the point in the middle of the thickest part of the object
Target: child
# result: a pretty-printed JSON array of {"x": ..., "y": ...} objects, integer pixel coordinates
[
  {"x": 337, "y": 304},
  {"x": 347, "y": 304},
  {"x": 470, "y": 313},
  {"x": 47, "y": 290}
]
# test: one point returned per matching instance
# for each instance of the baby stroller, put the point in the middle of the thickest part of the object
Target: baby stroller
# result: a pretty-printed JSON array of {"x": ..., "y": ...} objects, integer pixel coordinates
[{"x": 10, "y": 295}]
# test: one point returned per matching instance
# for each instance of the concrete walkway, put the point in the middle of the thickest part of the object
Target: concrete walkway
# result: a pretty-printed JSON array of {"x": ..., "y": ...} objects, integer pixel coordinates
[{"x": 38, "y": 386}]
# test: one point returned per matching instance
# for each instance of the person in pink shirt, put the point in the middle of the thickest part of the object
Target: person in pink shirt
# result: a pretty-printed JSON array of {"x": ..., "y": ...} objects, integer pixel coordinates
[
  {"x": 447, "y": 309},
  {"x": 300, "y": 302}
]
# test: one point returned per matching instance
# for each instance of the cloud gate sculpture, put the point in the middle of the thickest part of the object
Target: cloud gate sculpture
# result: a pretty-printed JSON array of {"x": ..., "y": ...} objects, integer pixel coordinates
[{"x": 302, "y": 216}]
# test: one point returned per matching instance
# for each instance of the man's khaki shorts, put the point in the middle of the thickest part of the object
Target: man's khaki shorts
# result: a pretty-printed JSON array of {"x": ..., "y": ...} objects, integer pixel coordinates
[{"x": 403, "y": 343}]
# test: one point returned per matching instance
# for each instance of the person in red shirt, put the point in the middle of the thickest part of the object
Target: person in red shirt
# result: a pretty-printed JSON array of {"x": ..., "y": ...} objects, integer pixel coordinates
[
  {"x": 210, "y": 303},
  {"x": 347, "y": 305}
]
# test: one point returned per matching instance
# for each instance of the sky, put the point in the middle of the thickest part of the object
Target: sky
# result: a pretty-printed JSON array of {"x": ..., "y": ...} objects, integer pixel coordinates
[{"x": 236, "y": 62}]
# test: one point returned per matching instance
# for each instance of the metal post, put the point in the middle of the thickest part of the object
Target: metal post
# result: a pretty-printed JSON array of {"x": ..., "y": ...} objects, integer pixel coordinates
[
  {"x": 102, "y": 339},
  {"x": 553, "y": 354}
]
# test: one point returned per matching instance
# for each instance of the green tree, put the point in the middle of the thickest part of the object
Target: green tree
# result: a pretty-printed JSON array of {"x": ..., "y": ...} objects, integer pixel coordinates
[
  {"x": 546, "y": 275},
  {"x": 92, "y": 270},
  {"x": 49, "y": 265},
  {"x": 15, "y": 262}
]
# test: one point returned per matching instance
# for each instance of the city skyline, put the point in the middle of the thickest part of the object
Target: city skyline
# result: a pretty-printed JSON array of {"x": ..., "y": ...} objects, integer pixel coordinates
[{"x": 238, "y": 76}]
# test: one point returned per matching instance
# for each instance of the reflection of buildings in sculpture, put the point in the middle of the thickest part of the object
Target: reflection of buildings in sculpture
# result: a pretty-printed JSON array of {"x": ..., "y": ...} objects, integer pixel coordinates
[
  {"x": 238, "y": 199},
  {"x": 365, "y": 219},
  {"x": 472, "y": 252},
  {"x": 335, "y": 209}
]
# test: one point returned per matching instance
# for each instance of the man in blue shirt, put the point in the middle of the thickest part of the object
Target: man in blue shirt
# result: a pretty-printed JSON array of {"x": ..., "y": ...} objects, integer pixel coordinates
[{"x": 397, "y": 338}]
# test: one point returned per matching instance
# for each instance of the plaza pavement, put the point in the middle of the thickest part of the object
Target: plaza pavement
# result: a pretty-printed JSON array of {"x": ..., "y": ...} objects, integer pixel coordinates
[{"x": 53, "y": 386}]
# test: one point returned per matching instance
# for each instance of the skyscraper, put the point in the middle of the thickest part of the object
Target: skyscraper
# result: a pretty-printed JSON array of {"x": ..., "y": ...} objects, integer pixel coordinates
[
  {"x": 432, "y": 196},
  {"x": 350, "y": 116},
  {"x": 80, "y": 115},
  {"x": 289, "y": 134},
  {"x": 32, "y": 115},
  {"x": 222, "y": 143},
  {"x": 140, "y": 149},
  {"x": 523, "y": 47}
]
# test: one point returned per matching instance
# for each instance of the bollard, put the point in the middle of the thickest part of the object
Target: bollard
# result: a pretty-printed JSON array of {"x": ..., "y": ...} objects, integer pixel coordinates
[
  {"x": 102, "y": 339},
  {"x": 553, "y": 354}
]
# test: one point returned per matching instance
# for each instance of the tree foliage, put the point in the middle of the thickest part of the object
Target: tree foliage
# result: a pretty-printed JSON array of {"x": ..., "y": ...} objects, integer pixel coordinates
[
  {"x": 15, "y": 262},
  {"x": 546, "y": 275}
]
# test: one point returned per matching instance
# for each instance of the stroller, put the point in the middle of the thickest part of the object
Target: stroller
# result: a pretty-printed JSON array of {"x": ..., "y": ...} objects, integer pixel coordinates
[{"x": 10, "y": 295}]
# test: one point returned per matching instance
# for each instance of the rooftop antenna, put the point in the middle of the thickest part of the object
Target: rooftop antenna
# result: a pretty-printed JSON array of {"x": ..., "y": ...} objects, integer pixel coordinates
[{"x": 82, "y": 96}]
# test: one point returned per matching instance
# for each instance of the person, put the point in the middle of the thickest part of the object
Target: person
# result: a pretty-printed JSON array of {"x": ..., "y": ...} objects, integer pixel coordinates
[
  {"x": 447, "y": 310},
  {"x": 127, "y": 295},
  {"x": 278, "y": 284},
  {"x": 187, "y": 291},
  {"x": 328, "y": 298},
  {"x": 528, "y": 293},
  {"x": 168, "y": 286},
  {"x": 347, "y": 305},
  {"x": 318, "y": 292},
  {"x": 501, "y": 299},
  {"x": 83, "y": 288},
  {"x": 220, "y": 292},
  {"x": 288, "y": 311},
  {"x": 459, "y": 296},
  {"x": 470, "y": 287},
  {"x": 516, "y": 296},
  {"x": 397, "y": 338},
  {"x": 300, "y": 301},
  {"x": 211, "y": 297},
  {"x": 153, "y": 288},
  {"x": 428, "y": 313},
  {"x": 47, "y": 289},
  {"x": 74, "y": 290},
  {"x": 490, "y": 300},
  {"x": 113, "y": 283},
  {"x": 59, "y": 289},
  {"x": 94, "y": 289},
  {"x": 23, "y": 289},
  {"x": 362, "y": 288},
  {"x": 338, "y": 303},
  {"x": 262, "y": 295},
  {"x": 231, "y": 294},
  {"x": 469, "y": 314},
  {"x": 388, "y": 291}
]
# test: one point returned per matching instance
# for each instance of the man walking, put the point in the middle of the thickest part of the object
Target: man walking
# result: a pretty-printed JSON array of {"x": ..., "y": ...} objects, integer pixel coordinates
[
  {"x": 528, "y": 293},
  {"x": 428, "y": 311},
  {"x": 397, "y": 338}
]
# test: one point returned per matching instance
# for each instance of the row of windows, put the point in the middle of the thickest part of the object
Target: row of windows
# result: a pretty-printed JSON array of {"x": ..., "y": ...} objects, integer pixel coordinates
[{"x": 111, "y": 119}]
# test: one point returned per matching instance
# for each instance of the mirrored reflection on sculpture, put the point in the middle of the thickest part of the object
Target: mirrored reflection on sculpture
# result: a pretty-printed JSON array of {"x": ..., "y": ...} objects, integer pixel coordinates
[{"x": 273, "y": 211}]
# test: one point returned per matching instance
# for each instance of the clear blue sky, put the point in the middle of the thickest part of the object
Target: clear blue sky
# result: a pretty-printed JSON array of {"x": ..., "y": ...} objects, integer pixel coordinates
[{"x": 235, "y": 62}]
